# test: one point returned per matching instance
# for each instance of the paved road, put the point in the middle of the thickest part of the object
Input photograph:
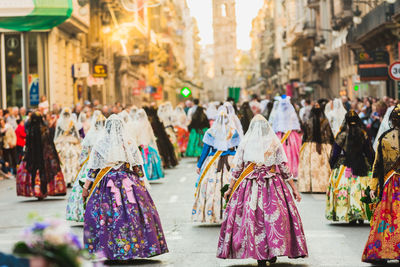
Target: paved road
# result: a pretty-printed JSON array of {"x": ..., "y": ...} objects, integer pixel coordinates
[{"x": 194, "y": 245}]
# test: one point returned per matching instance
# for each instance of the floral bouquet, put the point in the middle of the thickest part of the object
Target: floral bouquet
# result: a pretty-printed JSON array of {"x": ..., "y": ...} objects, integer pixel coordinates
[{"x": 53, "y": 240}]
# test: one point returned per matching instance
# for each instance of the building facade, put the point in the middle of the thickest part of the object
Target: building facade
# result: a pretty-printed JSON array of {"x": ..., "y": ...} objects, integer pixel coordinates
[{"x": 325, "y": 48}]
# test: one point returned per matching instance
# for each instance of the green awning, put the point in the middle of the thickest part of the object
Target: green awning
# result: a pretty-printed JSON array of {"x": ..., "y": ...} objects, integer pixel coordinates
[{"x": 27, "y": 15}]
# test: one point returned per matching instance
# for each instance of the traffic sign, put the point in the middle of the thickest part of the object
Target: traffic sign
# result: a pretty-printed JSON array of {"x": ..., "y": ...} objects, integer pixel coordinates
[{"x": 394, "y": 71}]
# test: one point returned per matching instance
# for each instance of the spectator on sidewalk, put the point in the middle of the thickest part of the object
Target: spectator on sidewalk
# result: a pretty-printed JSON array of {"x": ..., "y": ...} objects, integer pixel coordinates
[
  {"x": 9, "y": 144},
  {"x": 21, "y": 137}
]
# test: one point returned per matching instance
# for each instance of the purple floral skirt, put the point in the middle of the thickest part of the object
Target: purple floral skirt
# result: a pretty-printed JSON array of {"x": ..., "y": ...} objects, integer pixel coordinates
[
  {"x": 261, "y": 221},
  {"x": 121, "y": 220}
]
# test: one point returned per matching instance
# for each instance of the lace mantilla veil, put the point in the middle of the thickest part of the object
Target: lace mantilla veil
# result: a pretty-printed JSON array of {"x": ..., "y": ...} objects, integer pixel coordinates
[
  {"x": 385, "y": 126},
  {"x": 114, "y": 147},
  {"x": 335, "y": 113},
  {"x": 181, "y": 118},
  {"x": 285, "y": 118},
  {"x": 260, "y": 145},
  {"x": 144, "y": 133},
  {"x": 66, "y": 125},
  {"x": 219, "y": 136},
  {"x": 96, "y": 126},
  {"x": 233, "y": 118}
]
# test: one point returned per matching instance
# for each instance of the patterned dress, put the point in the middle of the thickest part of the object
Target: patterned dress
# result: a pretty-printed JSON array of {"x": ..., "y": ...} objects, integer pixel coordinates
[
  {"x": 121, "y": 220},
  {"x": 261, "y": 220},
  {"x": 314, "y": 169},
  {"x": 208, "y": 204},
  {"x": 75, "y": 210},
  {"x": 152, "y": 163},
  {"x": 195, "y": 143},
  {"x": 384, "y": 238},
  {"x": 51, "y": 173},
  {"x": 69, "y": 149},
  {"x": 292, "y": 147},
  {"x": 343, "y": 198},
  {"x": 183, "y": 138}
]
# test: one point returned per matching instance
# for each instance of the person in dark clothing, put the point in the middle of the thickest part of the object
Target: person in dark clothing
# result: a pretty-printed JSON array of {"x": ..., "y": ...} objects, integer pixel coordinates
[
  {"x": 245, "y": 116},
  {"x": 164, "y": 145},
  {"x": 197, "y": 128}
]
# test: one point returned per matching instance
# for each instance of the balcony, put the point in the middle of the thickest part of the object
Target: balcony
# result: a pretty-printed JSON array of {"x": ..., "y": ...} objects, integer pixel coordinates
[
  {"x": 313, "y": 4},
  {"x": 343, "y": 13},
  {"x": 309, "y": 29},
  {"x": 376, "y": 29}
]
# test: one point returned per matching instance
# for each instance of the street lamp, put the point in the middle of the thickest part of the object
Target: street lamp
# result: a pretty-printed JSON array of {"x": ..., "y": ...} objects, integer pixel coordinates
[{"x": 390, "y": 1}]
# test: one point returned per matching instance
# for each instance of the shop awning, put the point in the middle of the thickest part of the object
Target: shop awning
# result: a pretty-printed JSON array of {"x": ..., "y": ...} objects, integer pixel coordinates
[{"x": 27, "y": 15}]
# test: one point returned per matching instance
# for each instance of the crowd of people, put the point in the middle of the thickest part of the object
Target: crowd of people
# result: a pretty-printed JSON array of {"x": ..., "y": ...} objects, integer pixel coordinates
[{"x": 248, "y": 158}]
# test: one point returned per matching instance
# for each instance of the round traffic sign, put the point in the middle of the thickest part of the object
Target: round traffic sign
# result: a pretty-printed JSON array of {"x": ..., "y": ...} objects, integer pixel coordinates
[{"x": 394, "y": 71}]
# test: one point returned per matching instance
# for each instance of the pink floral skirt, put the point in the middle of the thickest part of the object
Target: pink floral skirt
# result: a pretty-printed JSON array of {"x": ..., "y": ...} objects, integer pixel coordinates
[
  {"x": 261, "y": 221},
  {"x": 292, "y": 147}
]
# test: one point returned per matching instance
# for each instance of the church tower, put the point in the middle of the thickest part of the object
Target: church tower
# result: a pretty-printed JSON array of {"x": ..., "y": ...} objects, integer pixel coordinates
[{"x": 224, "y": 25}]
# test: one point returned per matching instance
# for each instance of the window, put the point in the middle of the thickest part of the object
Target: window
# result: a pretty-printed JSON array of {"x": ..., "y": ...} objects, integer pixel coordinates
[{"x": 223, "y": 10}]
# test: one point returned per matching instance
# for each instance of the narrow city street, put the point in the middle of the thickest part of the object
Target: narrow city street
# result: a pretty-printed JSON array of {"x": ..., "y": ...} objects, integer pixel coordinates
[{"x": 189, "y": 244}]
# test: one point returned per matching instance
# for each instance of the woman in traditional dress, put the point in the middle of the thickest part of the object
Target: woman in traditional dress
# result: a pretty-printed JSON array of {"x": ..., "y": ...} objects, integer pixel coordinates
[
  {"x": 128, "y": 121},
  {"x": 121, "y": 220},
  {"x": 197, "y": 128},
  {"x": 181, "y": 129},
  {"x": 75, "y": 210},
  {"x": 233, "y": 118},
  {"x": 286, "y": 125},
  {"x": 335, "y": 113},
  {"x": 314, "y": 169},
  {"x": 39, "y": 174},
  {"x": 245, "y": 115},
  {"x": 167, "y": 117},
  {"x": 385, "y": 126},
  {"x": 145, "y": 139},
  {"x": 67, "y": 141},
  {"x": 351, "y": 160},
  {"x": 212, "y": 111},
  {"x": 261, "y": 220},
  {"x": 213, "y": 167},
  {"x": 132, "y": 112},
  {"x": 384, "y": 239},
  {"x": 164, "y": 145},
  {"x": 83, "y": 123}
]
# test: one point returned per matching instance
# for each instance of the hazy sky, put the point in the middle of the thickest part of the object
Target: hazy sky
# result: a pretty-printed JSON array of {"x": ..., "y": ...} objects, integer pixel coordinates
[{"x": 246, "y": 10}]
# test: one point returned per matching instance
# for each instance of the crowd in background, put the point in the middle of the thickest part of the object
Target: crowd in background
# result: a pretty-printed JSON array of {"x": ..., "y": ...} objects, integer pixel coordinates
[{"x": 13, "y": 120}]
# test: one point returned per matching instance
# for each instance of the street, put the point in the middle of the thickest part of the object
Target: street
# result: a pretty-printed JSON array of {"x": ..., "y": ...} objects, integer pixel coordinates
[{"x": 193, "y": 245}]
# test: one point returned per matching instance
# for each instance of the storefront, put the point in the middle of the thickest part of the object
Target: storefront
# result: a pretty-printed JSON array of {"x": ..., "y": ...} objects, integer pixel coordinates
[
  {"x": 24, "y": 31},
  {"x": 23, "y": 68}
]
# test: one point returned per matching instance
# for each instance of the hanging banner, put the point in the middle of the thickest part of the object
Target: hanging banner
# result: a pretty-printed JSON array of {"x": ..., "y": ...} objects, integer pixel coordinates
[{"x": 33, "y": 82}]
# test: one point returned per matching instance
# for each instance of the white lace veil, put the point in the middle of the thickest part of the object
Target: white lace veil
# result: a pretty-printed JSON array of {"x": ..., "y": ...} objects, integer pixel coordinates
[
  {"x": 233, "y": 118},
  {"x": 96, "y": 126},
  {"x": 212, "y": 111},
  {"x": 285, "y": 118},
  {"x": 263, "y": 105},
  {"x": 132, "y": 112},
  {"x": 124, "y": 115},
  {"x": 166, "y": 114},
  {"x": 383, "y": 127},
  {"x": 260, "y": 145},
  {"x": 144, "y": 133},
  {"x": 114, "y": 147},
  {"x": 274, "y": 110},
  {"x": 66, "y": 125},
  {"x": 335, "y": 113},
  {"x": 219, "y": 136},
  {"x": 181, "y": 119}
]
